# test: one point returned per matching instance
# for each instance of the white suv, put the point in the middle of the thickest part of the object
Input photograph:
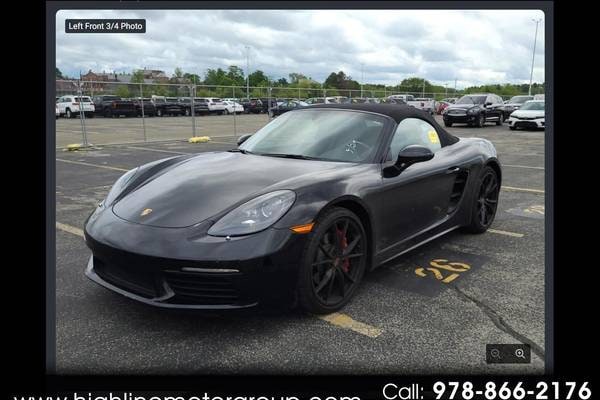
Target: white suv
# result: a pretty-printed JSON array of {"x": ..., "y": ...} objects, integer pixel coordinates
[
  {"x": 69, "y": 106},
  {"x": 215, "y": 105}
]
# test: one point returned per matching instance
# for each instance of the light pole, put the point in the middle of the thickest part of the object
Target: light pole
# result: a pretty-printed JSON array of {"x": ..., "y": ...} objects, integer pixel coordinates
[
  {"x": 362, "y": 78},
  {"x": 247, "y": 72},
  {"x": 537, "y": 21}
]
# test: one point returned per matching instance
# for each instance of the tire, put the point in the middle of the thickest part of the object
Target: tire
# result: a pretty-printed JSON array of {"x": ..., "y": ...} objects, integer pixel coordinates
[
  {"x": 159, "y": 113},
  {"x": 500, "y": 120},
  {"x": 227, "y": 111},
  {"x": 512, "y": 128},
  {"x": 327, "y": 281},
  {"x": 448, "y": 124},
  {"x": 68, "y": 113},
  {"x": 188, "y": 112},
  {"x": 90, "y": 115},
  {"x": 107, "y": 113},
  {"x": 480, "y": 121},
  {"x": 486, "y": 194}
]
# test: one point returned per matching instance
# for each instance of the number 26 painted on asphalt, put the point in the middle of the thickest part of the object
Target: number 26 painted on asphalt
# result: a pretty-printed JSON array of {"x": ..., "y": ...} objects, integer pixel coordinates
[{"x": 440, "y": 264}]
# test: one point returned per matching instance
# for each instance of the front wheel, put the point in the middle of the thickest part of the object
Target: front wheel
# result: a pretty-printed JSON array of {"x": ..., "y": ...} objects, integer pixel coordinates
[
  {"x": 159, "y": 113},
  {"x": 448, "y": 124},
  {"x": 333, "y": 263},
  {"x": 500, "y": 120},
  {"x": 512, "y": 128},
  {"x": 68, "y": 114},
  {"x": 485, "y": 204},
  {"x": 480, "y": 121}
]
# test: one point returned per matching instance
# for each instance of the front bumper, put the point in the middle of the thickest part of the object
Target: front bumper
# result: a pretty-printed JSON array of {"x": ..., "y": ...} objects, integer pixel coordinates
[
  {"x": 156, "y": 266},
  {"x": 462, "y": 118},
  {"x": 536, "y": 123}
]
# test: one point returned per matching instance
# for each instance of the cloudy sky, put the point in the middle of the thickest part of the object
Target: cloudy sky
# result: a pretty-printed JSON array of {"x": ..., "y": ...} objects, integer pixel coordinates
[{"x": 473, "y": 47}]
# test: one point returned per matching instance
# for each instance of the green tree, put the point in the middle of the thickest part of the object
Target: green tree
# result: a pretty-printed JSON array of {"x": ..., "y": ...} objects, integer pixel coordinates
[
  {"x": 193, "y": 78},
  {"x": 59, "y": 74},
  {"x": 236, "y": 75},
  {"x": 178, "y": 73},
  {"x": 258, "y": 78},
  {"x": 122, "y": 91},
  {"x": 295, "y": 77},
  {"x": 137, "y": 77}
]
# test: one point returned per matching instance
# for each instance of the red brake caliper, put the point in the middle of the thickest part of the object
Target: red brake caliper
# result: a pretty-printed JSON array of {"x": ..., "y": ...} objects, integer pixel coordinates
[{"x": 344, "y": 242}]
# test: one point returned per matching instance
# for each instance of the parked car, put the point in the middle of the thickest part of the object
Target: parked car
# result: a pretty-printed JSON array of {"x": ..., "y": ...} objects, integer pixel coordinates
[
  {"x": 265, "y": 101},
  {"x": 285, "y": 106},
  {"x": 200, "y": 105},
  {"x": 513, "y": 104},
  {"x": 149, "y": 109},
  {"x": 252, "y": 106},
  {"x": 233, "y": 107},
  {"x": 475, "y": 110},
  {"x": 539, "y": 97},
  {"x": 167, "y": 107},
  {"x": 327, "y": 100},
  {"x": 531, "y": 115},
  {"x": 361, "y": 100},
  {"x": 392, "y": 101},
  {"x": 71, "y": 105},
  {"x": 426, "y": 104},
  {"x": 450, "y": 100},
  {"x": 113, "y": 106},
  {"x": 294, "y": 215},
  {"x": 404, "y": 97},
  {"x": 215, "y": 105},
  {"x": 441, "y": 106}
]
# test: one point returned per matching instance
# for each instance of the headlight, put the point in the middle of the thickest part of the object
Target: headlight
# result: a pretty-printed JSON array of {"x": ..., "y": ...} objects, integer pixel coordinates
[
  {"x": 472, "y": 110},
  {"x": 254, "y": 215},
  {"x": 119, "y": 186}
]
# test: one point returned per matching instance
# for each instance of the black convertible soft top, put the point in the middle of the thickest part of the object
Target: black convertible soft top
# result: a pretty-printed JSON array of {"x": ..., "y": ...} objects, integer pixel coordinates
[{"x": 398, "y": 112}]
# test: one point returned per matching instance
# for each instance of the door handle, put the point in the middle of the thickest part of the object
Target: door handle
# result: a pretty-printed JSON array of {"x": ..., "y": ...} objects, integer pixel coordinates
[{"x": 452, "y": 170}]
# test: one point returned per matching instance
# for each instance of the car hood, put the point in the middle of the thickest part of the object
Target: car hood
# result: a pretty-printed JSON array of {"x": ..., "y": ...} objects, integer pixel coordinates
[
  {"x": 209, "y": 184},
  {"x": 528, "y": 113}
]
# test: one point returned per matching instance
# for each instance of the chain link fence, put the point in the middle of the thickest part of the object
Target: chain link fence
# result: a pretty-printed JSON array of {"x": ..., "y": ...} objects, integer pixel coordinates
[{"x": 127, "y": 112}]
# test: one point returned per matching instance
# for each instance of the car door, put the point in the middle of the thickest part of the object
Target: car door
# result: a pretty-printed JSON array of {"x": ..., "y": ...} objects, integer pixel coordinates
[
  {"x": 493, "y": 109},
  {"x": 418, "y": 198}
]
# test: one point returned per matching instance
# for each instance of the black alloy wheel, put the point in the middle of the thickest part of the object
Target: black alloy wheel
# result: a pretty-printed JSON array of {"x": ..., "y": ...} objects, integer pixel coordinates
[
  {"x": 486, "y": 201},
  {"x": 500, "y": 120},
  {"x": 334, "y": 262}
]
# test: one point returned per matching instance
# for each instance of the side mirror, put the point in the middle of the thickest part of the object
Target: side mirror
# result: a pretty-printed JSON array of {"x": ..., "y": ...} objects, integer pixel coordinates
[
  {"x": 408, "y": 156},
  {"x": 243, "y": 138},
  {"x": 489, "y": 103}
]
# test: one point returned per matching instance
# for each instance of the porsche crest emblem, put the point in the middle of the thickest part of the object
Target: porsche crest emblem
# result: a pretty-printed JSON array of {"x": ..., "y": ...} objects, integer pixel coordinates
[{"x": 145, "y": 212}]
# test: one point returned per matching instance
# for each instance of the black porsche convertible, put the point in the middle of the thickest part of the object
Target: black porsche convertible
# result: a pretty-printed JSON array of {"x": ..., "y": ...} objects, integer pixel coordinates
[{"x": 298, "y": 213}]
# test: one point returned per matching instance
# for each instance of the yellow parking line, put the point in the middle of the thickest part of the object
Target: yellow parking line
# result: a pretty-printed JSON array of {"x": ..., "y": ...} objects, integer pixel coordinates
[
  {"x": 70, "y": 229},
  {"x": 513, "y": 234},
  {"x": 92, "y": 165},
  {"x": 517, "y": 189},
  {"x": 345, "y": 322}
]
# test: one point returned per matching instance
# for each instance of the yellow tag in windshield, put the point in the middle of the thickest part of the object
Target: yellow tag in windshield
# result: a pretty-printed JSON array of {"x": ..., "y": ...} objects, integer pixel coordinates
[{"x": 433, "y": 137}]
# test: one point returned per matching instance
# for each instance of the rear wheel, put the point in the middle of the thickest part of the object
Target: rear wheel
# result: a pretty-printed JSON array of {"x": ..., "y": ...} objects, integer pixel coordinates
[
  {"x": 448, "y": 124},
  {"x": 486, "y": 201},
  {"x": 68, "y": 113},
  {"x": 159, "y": 113},
  {"x": 512, "y": 128},
  {"x": 107, "y": 113},
  {"x": 500, "y": 119},
  {"x": 333, "y": 263}
]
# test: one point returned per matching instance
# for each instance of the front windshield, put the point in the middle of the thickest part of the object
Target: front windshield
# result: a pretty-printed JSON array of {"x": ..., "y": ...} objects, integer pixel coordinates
[
  {"x": 332, "y": 135},
  {"x": 533, "y": 105},
  {"x": 471, "y": 100},
  {"x": 519, "y": 99}
]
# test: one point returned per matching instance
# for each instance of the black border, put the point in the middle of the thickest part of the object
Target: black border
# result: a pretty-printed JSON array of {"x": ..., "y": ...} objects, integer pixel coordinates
[{"x": 262, "y": 384}]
